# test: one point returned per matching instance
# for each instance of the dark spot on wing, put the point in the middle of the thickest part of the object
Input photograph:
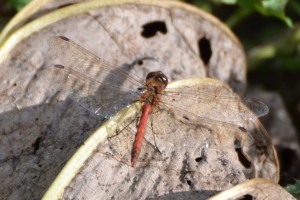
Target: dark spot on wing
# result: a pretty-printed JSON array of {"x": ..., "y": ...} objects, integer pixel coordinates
[
  {"x": 59, "y": 66},
  {"x": 185, "y": 117},
  {"x": 64, "y": 38},
  {"x": 243, "y": 129}
]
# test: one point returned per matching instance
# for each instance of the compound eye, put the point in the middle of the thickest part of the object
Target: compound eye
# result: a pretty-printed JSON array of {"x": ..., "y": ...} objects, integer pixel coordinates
[
  {"x": 158, "y": 76},
  {"x": 151, "y": 75},
  {"x": 162, "y": 78}
]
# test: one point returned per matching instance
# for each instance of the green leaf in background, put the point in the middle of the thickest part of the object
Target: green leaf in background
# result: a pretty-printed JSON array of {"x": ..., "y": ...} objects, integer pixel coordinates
[
  {"x": 203, "y": 5},
  {"x": 17, "y": 4},
  {"x": 229, "y": 2},
  {"x": 274, "y": 8},
  {"x": 265, "y": 7},
  {"x": 294, "y": 188}
]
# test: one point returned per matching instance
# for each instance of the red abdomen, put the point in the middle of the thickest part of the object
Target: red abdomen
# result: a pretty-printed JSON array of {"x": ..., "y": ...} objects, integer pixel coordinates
[{"x": 146, "y": 110}]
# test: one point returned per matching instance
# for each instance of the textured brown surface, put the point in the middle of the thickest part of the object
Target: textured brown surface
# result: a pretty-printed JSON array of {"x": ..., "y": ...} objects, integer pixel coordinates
[
  {"x": 197, "y": 156},
  {"x": 41, "y": 128}
]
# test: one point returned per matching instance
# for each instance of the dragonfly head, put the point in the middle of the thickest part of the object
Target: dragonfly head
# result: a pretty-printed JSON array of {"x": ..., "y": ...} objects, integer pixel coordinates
[{"x": 157, "y": 79}]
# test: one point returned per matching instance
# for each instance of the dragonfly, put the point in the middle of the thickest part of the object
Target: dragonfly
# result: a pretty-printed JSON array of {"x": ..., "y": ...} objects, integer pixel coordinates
[{"x": 115, "y": 87}]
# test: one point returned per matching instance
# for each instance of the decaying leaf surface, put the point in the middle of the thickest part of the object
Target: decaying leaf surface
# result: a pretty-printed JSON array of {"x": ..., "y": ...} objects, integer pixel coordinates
[
  {"x": 255, "y": 189},
  {"x": 31, "y": 11},
  {"x": 41, "y": 127},
  {"x": 183, "y": 164},
  {"x": 162, "y": 29},
  {"x": 283, "y": 133}
]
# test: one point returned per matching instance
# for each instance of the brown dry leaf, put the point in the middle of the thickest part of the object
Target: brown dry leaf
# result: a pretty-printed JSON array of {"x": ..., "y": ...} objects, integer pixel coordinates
[
  {"x": 43, "y": 128},
  {"x": 33, "y": 10},
  {"x": 170, "y": 31},
  {"x": 184, "y": 168}
]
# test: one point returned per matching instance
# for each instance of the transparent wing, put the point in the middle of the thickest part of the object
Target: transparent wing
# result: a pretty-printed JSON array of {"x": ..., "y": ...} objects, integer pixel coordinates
[
  {"x": 94, "y": 83},
  {"x": 187, "y": 121},
  {"x": 219, "y": 134},
  {"x": 216, "y": 109},
  {"x": 215, "y": 98},
  {"x": 87, "y": 64},
  {"x": 169, "y": 139}
]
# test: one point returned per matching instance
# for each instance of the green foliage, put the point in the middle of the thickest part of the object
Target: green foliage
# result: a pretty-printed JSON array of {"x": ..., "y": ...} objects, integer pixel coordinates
[
  {"x": 274, "y": 8},
  {"x": 266, "y": 7},
  {"x": 294, "y": 188},
  {"x": 18, "y": 4},
  {"x": 270, "y": 39}
]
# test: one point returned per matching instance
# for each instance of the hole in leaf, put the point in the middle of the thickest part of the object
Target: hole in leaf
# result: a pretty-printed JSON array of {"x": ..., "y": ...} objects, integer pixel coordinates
[
  {"x": 140, "y": 62},
  {"x": 245, "y": 162},
  {"x": 246, "y": 197},
  {"x": 198, "y": 159},
  {"x": 151, "y": 28},
  {"x": 205, "y": 50},
  {"x": 287, "y": 162},
  {"x": 237, "y": 143},
  {"x": 189, "y": 182},
  {"x": 36, "y": 145}
]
